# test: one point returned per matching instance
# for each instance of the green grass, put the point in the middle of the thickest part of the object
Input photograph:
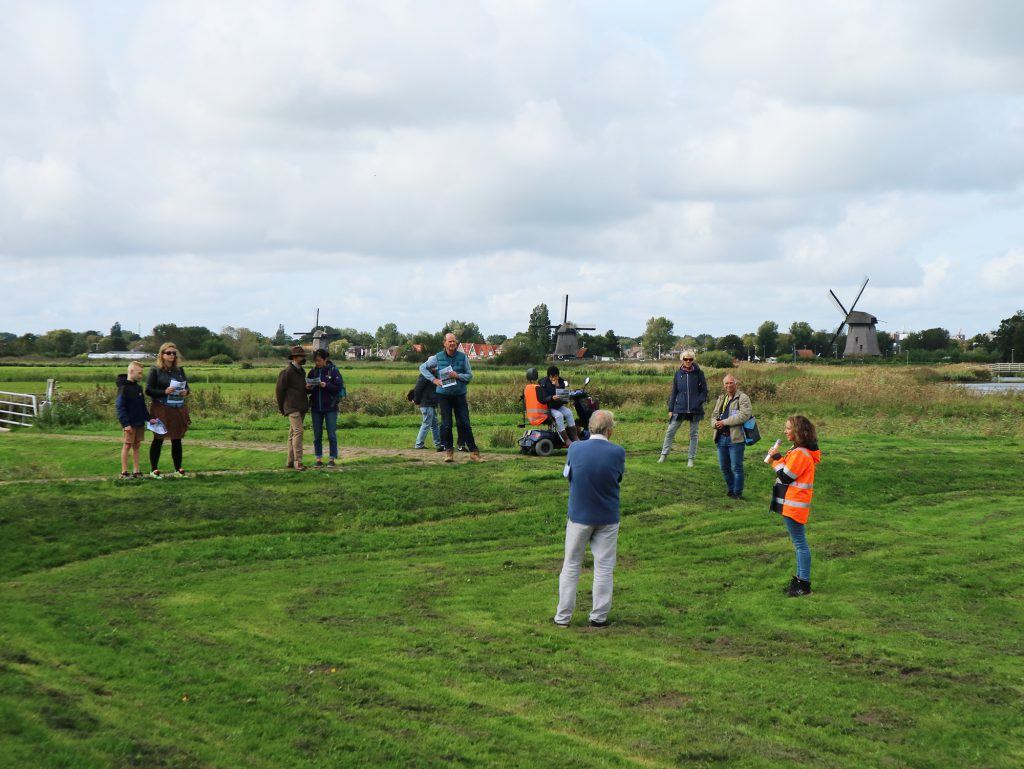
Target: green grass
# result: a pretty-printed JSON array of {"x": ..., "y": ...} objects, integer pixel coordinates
[{"x": 397, "y": 613}]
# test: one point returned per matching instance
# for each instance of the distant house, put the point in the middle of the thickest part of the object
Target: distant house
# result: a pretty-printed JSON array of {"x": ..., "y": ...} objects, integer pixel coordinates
[
  {"x": 805, "y": 353},
  {"x": 635, "y": 352},
  {"x": 475, "y": 351},
  {"x": 358, "y": 352}
]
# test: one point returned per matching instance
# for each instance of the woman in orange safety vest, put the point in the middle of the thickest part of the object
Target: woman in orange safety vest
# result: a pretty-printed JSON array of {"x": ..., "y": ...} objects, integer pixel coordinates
[{"x": 791, "y": 496}]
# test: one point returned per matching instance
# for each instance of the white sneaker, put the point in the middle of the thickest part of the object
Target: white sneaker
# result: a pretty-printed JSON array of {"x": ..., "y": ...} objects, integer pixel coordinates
[
  {"x": 689, "y": 463},
  {"x": 662, "y": 458}
]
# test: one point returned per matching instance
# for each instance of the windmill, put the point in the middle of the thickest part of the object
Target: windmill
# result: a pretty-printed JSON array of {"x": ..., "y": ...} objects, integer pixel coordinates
[
  {"x": 320, "y": 335},
  {"x": 567, "y": 343},
  {"x": 862, "y": 338}
]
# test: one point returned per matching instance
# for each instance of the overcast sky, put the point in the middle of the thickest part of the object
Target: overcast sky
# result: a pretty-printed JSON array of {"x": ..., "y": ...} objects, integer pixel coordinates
[{"x": 719, "y": 163}]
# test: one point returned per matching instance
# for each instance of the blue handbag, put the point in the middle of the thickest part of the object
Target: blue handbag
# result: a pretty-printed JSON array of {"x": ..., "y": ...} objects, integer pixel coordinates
[{"x": 751, "y": 432}]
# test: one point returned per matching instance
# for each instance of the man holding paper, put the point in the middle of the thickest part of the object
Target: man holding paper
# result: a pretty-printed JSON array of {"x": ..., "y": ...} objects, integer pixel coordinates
[{"x": 450, "y": 372}]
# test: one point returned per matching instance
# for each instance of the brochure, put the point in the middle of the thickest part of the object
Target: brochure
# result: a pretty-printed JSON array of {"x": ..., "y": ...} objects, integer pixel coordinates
[
  {"x": 157, "y": 427},
  {"x": 313, "y": 380},
  {"x": 447, "y": 377},
  {"x": 176, "y": 399}
]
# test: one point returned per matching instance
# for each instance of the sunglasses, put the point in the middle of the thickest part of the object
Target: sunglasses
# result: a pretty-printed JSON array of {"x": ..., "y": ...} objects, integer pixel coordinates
[
  {"x": 687, "y": 359},
  {"x": 168, "y": 352}
]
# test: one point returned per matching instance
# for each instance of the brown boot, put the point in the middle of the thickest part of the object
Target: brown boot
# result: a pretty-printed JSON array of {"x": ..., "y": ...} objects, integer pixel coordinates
[
  {"x": 565, "y": 438},
  {"x": 449, "y": 456},
  {"x": 574, "y": 433},
  {"x": 475, "y": 456}
]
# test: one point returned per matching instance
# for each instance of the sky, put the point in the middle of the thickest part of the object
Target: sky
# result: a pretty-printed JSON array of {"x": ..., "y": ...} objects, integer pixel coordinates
[{"x": 719, "y": 163}]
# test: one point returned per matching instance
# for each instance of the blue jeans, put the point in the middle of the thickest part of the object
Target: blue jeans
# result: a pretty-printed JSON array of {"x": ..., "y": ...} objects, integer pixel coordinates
[
  {"x": 457, "y": 404},
  {"x": 330, "y": 418},
  {"x": 730, "y": 459},
  {"x": 798, "y": 534},
  {"x": 429, "y": 423}
]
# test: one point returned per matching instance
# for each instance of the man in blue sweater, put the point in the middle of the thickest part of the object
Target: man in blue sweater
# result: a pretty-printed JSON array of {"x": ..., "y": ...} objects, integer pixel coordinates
[{"x": 594, "y": 468}]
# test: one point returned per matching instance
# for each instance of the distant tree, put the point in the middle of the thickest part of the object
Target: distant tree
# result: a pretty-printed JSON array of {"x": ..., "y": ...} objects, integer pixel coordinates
[
  {"x": 784, "y": 344},
  {"x": 388, "y": 335},
  {"x": 929, "y": 340},
  {"x": 281, "y": 337},
  {"x": 431, "y": 342},
  {"x": 496, "y": 339},
  {"x": 1008, "y": 339},
  {"x": 981, "y": 342},
  {"x": 802, "y": 334},
  {"x": 539, "y": 331},
  {"x": 612, "y": 345},
  {"x": 705, "y": 341},
  {"x": 886, "y": 343},
  {"x": 768, "y": 337},
  {"x": 733, "y": 345},
  {"x": 190, "y": 339},
  {"x": 749, "y": 345},
  {"x": 60, "y": 341},
  {"x": 463, "y": 330},
  {"x": 520, "y": 350},
  {"x": 116, "y": 340},
  {"x": 360, "y": 338},
  {"x": 658, "y": 337},
  {"x": 338, "y": 348}
]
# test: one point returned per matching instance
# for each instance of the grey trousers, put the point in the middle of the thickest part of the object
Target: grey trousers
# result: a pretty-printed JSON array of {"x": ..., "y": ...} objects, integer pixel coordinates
[
  {"x": 670, "y": 435},
  {"x": 604, "y": 541}
]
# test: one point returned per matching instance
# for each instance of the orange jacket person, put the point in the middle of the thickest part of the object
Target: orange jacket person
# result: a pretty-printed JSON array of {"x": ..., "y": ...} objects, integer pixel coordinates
[
  {"x": 537, "y": 413},
  {"x": 794, "y": 487}
]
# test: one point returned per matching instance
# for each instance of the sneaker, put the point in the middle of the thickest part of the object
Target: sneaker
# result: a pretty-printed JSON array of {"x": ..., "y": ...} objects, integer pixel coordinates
[
  {"x": 318, "y": 463},
  {"x": 600, "y": 623},
  {"x": 689, "y": 463},
  {"x": 560, "y": 624},
  {"x": 125, "y": 475},
  {"x": 802, "y": 587},
  {"x": 662, "y": 458},
  {"x": 730, "y": 495},
  {"x": 449, "y": 456},
  {"x": 180, "y": 473},
  {"x": 475, "y": 456},
  {"x": 462, "y": 447},
  {"x": 330, "y": 463},
  {"x": 438, "y": 449},
  {"x": 155, "y": 474},
  {"x": 739, "y": 497},
  {"x": 137, "y": 475},
  {"x": 421, "y": 446}
]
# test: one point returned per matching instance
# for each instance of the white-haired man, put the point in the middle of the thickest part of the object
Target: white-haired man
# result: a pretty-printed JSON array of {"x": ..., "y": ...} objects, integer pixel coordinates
[{"x": 594, "y": 468}]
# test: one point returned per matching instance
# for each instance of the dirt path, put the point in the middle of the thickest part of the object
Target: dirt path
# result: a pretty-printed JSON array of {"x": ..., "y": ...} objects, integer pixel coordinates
[{"x": 423, "y": 456}]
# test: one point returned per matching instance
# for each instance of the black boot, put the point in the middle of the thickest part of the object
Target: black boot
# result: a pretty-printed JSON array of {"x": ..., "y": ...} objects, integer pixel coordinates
[
  {"x": 788, "y": 589},
  {"x": 802, "y": 587}
]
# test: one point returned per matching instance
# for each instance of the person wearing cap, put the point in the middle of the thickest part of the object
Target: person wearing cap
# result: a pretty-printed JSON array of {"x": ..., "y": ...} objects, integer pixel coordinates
[
  {"x": 293, "y": 402},
  {"x": 685, "y": 404}
]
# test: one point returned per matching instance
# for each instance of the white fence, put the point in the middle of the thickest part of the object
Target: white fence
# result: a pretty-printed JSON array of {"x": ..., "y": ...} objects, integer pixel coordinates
[
  {"x": 1006, "y": 368},
  {"x": 19, "y": 409}
]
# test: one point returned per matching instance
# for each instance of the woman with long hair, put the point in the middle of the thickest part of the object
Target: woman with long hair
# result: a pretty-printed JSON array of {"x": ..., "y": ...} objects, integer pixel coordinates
[
  {"x": 791, "y": 496},
  {"x": 168, "y": 387}
]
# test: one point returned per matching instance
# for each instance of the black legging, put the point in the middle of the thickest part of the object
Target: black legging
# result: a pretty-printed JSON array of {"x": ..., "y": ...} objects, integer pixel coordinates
[{"x": 157, "y": 445}]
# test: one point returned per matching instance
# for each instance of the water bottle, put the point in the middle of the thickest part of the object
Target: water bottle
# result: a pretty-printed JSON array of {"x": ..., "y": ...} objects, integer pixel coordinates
[{"x": 772, "y": 450}]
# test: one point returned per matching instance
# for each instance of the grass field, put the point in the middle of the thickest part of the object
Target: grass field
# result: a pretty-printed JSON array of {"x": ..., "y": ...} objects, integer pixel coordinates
[{"x": 397, "y": 612}]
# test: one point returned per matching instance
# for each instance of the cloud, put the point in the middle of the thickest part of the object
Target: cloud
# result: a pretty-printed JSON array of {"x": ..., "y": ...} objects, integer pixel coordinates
[{"x": 634, "y": 160}]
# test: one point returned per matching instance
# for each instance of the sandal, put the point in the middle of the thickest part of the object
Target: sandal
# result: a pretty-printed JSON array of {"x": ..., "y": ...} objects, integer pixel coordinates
[{"x": 125, "y": 475}]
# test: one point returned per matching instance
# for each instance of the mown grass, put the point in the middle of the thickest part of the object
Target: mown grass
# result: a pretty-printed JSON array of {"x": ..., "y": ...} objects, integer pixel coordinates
[{"x": 397, "y": 613}]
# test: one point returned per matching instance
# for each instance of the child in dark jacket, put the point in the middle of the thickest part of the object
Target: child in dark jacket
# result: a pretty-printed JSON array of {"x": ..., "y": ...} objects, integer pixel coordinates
[{"x": 132, "y": 414}]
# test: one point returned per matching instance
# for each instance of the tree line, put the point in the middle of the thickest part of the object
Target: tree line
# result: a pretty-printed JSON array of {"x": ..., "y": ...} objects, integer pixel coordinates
[{"x": 536, "y": 342}]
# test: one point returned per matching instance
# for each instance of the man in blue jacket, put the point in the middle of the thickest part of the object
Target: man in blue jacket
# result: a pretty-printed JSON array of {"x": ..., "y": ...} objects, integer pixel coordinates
[
  {"x": 450, "y": 372},
  {"x": 685, "y": 404},
  {"x": 594, "y": 469}
]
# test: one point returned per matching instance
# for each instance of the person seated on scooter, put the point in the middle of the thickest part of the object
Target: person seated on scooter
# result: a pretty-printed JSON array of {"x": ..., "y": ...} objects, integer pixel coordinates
[
  {"x": 537, "y": 412},
  {"x": 565, "y": 423}
]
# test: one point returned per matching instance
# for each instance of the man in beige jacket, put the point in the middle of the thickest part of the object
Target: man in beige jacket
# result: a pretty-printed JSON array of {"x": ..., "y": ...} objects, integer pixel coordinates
[
  {"x": 293, "y": 402},
  {"x": 731, "y": 410}
]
